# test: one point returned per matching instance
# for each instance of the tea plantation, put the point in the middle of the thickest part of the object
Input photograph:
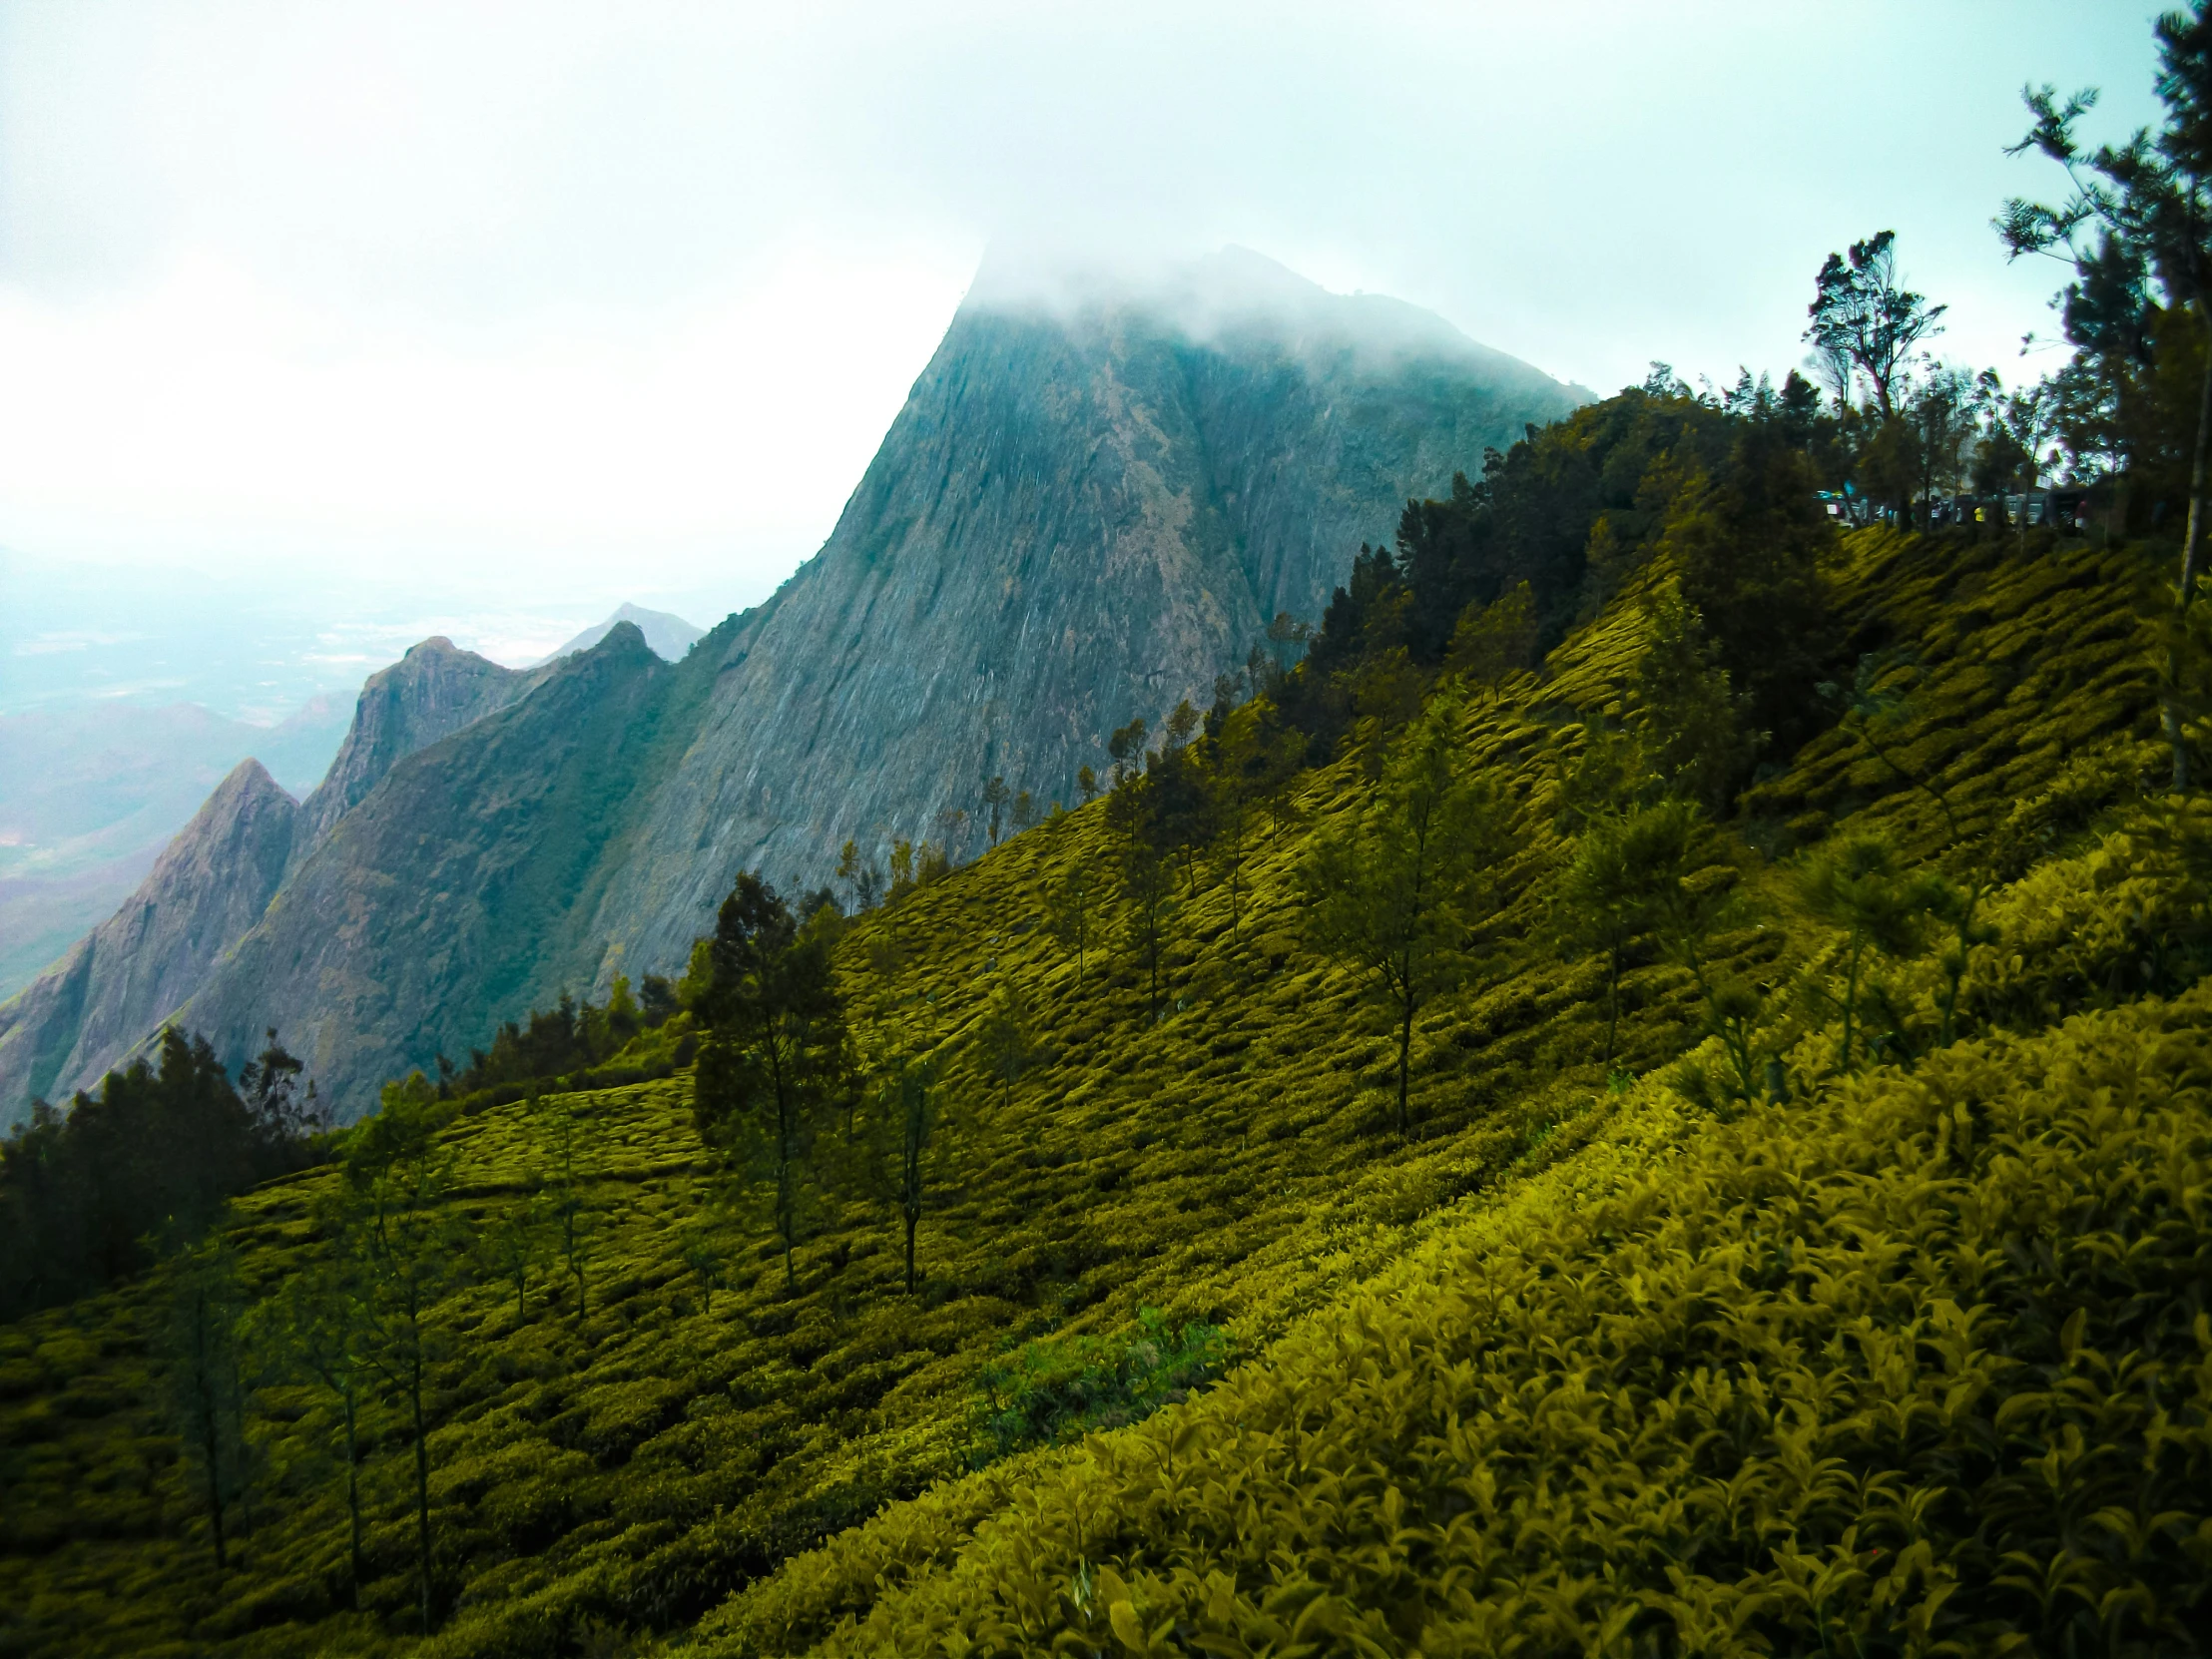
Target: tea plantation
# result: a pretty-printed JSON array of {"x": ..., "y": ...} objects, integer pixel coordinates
[{"x": 1906, "y": 1354}]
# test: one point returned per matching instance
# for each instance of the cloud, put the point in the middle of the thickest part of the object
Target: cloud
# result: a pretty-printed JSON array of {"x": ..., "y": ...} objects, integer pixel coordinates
[{"x": 603, "y": 302}]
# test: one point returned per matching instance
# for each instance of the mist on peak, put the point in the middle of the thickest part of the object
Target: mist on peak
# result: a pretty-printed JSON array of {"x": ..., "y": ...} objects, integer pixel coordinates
[{"x": 1233, "y": 298}]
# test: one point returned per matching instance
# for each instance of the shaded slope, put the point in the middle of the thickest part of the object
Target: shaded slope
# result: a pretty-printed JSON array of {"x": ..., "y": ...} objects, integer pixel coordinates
[
  {"x": 430, "y": 693},
  {"x": 445, "y": 896},
  {"x": 116, "y": 986}
]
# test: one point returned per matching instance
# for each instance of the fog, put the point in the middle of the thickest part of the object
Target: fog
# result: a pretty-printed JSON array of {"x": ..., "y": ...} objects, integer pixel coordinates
[{"x": 500, "y": 316}]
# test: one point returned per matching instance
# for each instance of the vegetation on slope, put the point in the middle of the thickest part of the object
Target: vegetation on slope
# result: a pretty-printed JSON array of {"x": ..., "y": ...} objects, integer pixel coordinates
[{"x": 628, "y": 1465}]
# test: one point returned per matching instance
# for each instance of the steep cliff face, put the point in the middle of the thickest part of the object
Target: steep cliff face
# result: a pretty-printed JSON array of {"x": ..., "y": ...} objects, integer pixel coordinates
[
  {"x": 431, "y": 692},
  {"x": 1084, "y": 512},
  {"x": 115, "y": 985}
]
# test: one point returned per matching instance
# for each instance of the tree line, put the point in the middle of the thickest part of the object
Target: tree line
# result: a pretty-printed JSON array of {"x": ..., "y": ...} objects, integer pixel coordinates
[{"x": 96, "y": 1192}]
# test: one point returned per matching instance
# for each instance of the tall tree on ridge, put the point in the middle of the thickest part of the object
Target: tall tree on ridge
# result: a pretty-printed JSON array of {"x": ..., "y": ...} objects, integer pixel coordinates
[
  {"x": 1861, "y": 312},
  {"x": 2148, "y": 204}
]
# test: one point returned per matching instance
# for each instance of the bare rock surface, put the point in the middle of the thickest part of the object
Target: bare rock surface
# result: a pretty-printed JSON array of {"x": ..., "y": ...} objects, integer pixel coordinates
[{"x": 205, "y": 891}]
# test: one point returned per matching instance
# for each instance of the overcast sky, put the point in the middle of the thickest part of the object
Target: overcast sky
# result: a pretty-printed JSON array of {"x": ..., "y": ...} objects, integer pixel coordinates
[{"x": 557, "y": 306}]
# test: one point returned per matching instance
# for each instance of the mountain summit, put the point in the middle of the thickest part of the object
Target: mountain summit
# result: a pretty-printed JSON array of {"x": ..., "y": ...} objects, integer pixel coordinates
[
  {"x": 1092, "y": 502},
  {"x": 669, "y": 635}
]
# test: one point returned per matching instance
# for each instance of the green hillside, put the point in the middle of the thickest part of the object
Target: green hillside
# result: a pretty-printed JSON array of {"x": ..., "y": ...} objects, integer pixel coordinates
[{"x": 1206, "y": 1356}]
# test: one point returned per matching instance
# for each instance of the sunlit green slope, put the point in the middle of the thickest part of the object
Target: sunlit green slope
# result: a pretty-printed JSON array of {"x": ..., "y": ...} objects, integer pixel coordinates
[{"x": 1492, "y": 1361}]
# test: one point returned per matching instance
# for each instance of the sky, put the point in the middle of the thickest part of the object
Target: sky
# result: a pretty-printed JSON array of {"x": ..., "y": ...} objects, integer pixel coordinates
[{"x": 369, "y": 321}]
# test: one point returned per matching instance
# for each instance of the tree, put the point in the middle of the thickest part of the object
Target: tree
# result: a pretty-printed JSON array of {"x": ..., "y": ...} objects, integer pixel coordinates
[
  {"x": 84, "y": 1193},
  {"x": 513, "y": 1244},
  {"x": 774, "y": 1060},
  {"x": 1391, "y": 896},
  {"x": 1086, "y": 784},
  {"x": 1855, "y": 884},
  {"x": 278, "y": 1094},
  {"x": 1183, "y": 724},
  {"x": 1125, "y": 748},
  {"x": 860, "y": 874},
  {"x": 1026, "y": 812},
  {"x": 568, "y": 1140},
  {"x": 199, "y": 1350},
  {"x": 1070, "y": 898},
  {"x": 995, "y": 796},
  {"x": 1006, "y": 1041},
  {"x": 1690, "y": 724},
  {"x": 1627, "y": 867},
  {"x": 908, "y": 1108},
  {"x": 1144, "y": 868},
  {"x": 413, "y": 1254},
  {"x": 1861, "y": 312},
  {"x": 705, "y": 1256},
  {"x": 657, "y": 1000},
  {"x": 2138, "y": 210},
  {"x": 1491, "y": 643},
  {"x": 1747, "y": 541},
  {"x": 1253, "y": 759},
  {"x": 317, "y": 1328}
]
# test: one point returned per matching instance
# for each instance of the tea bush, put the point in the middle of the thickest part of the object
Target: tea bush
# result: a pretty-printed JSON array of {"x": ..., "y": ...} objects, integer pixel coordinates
[{"x": 1711, "y": 1341}]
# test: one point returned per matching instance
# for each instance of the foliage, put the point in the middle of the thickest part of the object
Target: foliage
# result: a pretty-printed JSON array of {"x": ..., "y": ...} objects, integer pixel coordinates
[
  {"x": 1396, "y": 895},
  {"x": 774, "y": 1063},
  {"x": 724, "y": 1453},
  {"x": 1670, "y": 1400},
  {"x": 1054, "y": 1391},
  {"x": 1863, "y": 314},
  {"x": 156, "y": 1152}
]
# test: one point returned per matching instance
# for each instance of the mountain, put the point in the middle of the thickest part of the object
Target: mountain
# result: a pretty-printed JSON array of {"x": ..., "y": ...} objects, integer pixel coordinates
[
  {"x": 669, "y": 635},
  {"x": 87, "y": 1010},
  {"x": 91, "y": 792},
  {"x": 205, "y": 892},
  {"x": 1087, "y": 509},
  {"x": 434, "y": 690}
]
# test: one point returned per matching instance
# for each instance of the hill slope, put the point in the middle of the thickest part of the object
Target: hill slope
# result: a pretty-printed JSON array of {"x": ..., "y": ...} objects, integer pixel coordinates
[
  {"x": 91, "y": 793},
  {"x": 668, "y": 1460}
]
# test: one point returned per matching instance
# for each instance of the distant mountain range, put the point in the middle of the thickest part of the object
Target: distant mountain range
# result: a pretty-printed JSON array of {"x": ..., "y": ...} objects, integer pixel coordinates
[{"x": 1090, "y": 505}]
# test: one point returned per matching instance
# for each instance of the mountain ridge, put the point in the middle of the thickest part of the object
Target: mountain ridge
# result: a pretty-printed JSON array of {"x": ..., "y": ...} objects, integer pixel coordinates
[
  {"x": 92, "y": 1006},
  {"x": 1074, "y": 519}
]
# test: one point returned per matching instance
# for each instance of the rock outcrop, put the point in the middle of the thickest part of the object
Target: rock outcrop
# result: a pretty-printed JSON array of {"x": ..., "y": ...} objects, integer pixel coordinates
[
  {"x": 669, "y": 635},
  {"x": 430, "y": 693},
  {"x": 115, "y": 986}
]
